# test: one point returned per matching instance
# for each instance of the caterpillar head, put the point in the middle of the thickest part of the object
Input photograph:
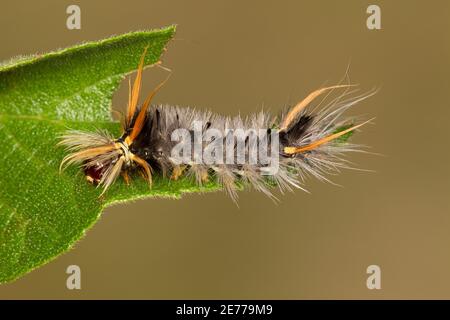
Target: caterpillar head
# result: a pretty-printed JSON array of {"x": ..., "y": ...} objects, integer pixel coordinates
[{"x": 101, "y": 157}]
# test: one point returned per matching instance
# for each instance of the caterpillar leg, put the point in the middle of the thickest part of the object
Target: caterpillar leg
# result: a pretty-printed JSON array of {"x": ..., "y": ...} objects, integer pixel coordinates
[
  {"x": 146, "y": 169},
  {"x": 126, "y": 177},
  {"x": 205, "y": 176},
  {"x": 177, "y": 172}
]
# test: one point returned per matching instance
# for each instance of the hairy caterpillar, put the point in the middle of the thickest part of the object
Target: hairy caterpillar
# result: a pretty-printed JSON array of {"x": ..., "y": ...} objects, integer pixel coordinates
[{"x": 307, "y": 143}]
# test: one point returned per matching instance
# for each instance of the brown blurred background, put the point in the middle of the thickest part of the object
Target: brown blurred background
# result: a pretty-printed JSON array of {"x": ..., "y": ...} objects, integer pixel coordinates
[{"x": 236, "y": 56}]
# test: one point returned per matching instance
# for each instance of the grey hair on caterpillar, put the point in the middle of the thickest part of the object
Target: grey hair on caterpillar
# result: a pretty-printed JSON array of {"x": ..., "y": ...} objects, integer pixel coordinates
[{"x": 309, "y": 142}]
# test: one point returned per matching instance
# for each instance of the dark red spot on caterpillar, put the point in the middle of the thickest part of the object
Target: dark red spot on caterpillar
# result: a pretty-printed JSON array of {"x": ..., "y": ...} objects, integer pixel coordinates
[{"x": 94, "y": 173}]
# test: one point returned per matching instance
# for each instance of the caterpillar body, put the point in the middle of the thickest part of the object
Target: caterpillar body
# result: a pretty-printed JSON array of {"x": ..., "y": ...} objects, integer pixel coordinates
[{"x": 302, "y": 140}]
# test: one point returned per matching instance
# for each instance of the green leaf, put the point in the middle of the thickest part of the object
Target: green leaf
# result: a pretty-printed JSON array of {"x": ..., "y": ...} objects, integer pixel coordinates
[
  {"x": 42, "y": 212},
  {"x": 344, "y": 138}
]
